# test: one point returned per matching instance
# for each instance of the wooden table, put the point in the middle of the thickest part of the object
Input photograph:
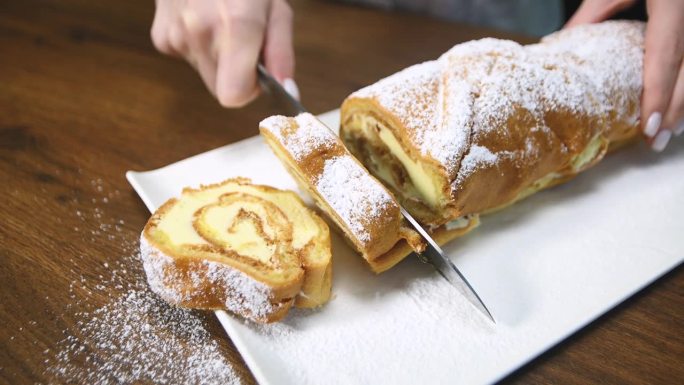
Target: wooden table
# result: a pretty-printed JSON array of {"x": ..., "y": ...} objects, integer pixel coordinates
[{"x": 84, "y": 97}]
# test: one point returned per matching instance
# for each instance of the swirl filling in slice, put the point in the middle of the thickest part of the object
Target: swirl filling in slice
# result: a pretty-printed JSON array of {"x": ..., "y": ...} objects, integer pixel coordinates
[{"x": 250, "y": 249}]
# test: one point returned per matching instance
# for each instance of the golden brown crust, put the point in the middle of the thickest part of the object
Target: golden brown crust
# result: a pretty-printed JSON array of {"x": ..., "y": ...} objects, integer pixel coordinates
[
  {"x": 210, "y": 274},
  {"x": 490, "y": 120},
  {"x": 190, "y": 283},
  {"x": 315, "y": 290},
  {"x": 356, "y": 202}
]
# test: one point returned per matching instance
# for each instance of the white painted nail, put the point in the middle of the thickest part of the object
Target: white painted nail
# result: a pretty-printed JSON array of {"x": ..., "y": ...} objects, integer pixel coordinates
[
  {"x": 291, "y": 88},
  {"x": 679, "y": 129},
  {"x": 653, "y": 124},
  {"x": 661, "y": 140}
]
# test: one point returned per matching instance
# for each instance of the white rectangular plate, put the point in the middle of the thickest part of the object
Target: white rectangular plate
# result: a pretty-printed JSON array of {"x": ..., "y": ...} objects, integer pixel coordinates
[{"x": 545, "y": 267}]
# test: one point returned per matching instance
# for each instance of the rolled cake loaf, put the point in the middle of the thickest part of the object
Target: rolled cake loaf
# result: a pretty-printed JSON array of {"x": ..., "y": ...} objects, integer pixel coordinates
[
  {"x": 492, "y": 121},
  {"x": 357, "y": 203},
  {"x": 254, "y": 250}
]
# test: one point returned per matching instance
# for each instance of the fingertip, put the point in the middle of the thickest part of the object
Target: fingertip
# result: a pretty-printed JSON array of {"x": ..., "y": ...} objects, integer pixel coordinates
[
  {"x": 238, "y": 47},
  {"x": 679, "y": 128},
  {"x": 236, "y": 92},
  {"x": 663, "y": 69},
  {"x": 232, "y": 98},
  {"x": 235, "y": 88},
  {"x": 157, "y": 31},
  {"x": 653, "y": 124},
  {"x": 655, "y": 97},
  {"x": 661, "y": 140},
  {"x": 159, "y": 38}
]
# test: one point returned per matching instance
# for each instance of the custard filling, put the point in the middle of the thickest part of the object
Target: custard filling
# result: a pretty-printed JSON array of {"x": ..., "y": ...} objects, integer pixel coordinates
[
  {"x": 249, "y": 225},
  {"x": 577, "y": 164},
  {"x": 241, "y": 218},
  {"x": 459, "y": 223},
  {"x": 589, "y": 154},
  {"x": 416, "y": 180}
]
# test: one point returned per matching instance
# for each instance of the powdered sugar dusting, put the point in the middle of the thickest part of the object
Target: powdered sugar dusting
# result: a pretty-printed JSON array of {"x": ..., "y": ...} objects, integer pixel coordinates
[
  {"x": 243, "y": 294},
  {"x": 354, "y": 195},
  {"x": 139, "y": 339},
  {"x": 607, "y": 54},
  {"x": 299, "y": 140},
  {"x": 422, "y": 102},
  {"x": 122, "y": 332},
  {"x": 427, "y": 309},
  {"x": 248, "y": 296},
  {"x": 449, "y": 104},
  {"x": 478, "y": 156},
  {"x": 347, "y": 187}
]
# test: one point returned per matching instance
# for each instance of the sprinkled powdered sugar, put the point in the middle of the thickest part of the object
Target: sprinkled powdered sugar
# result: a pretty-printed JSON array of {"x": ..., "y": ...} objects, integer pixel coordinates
[
  {"x": 354, "y": 195},
  {"x": 609, "y": 54},
  {"x": 247, "y": 295},
  {"x": 417, "y": 97},
  {"x": 421, "y": 307},
  {"x": 447, "y": 104},
  {"x": 344, "y": 184},
  {"x": 137, "y": 338},
  {"x": 299, "y": 141},
  {"x": 132, "y": 336},
  {"x": 478, "y": 156},
  {"x": 243, "y": 294}
]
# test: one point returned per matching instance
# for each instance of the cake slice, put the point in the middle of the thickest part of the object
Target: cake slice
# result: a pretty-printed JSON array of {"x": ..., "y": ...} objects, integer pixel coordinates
[
  {"x": 253, "y": 250},
  {"x": 365, "y": 211}
]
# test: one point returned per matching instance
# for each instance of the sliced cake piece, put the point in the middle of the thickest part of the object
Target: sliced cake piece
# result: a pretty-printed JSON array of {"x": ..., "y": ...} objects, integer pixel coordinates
[
  {"x": 362, "y": 207},
  {"x": 253, "y": 250}
]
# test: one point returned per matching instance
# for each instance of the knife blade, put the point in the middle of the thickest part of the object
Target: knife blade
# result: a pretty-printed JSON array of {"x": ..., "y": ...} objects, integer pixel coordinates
[
  {"x": 272, "y": 86},
  {"x": 433, "y": 254}
]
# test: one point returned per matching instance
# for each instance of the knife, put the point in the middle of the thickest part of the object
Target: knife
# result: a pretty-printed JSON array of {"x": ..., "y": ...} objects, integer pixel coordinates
[{"x": 433, "y": 254}]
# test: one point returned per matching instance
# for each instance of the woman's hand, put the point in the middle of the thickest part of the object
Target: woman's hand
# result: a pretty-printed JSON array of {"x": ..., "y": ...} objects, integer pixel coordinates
[
  {"x": 225, "y": 39},
  {"x": 662, "y": 101}
]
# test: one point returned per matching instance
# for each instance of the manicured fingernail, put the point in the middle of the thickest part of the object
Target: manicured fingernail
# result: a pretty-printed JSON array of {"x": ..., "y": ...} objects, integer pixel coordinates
[
  {"x": 291, "y": 88},
  {"x": 679, "y": 128},
  {"x": 661, "y": 140},
  {"x": 653, "y": 124}
]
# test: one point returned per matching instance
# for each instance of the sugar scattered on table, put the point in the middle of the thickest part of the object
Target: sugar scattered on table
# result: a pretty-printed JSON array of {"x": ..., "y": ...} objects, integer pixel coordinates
[
  {"x": 134, "y": 336},
  {"x": 137, "y": 337}
]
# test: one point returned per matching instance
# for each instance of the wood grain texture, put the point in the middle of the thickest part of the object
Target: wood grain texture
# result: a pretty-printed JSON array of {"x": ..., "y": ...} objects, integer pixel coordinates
[{"x": 84, "y": 96}]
